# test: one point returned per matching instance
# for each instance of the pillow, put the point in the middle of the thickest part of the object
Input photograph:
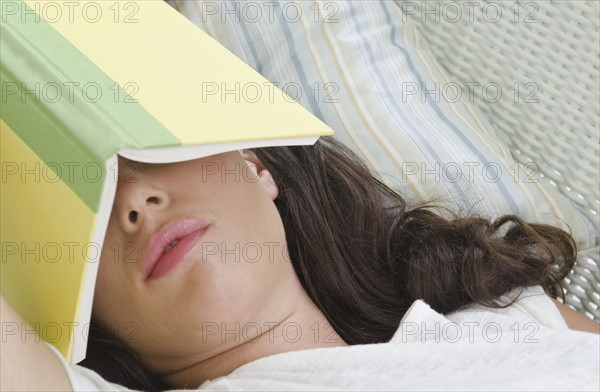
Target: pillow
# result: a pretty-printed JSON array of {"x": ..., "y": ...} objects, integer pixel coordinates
[{"x": 365, "y": 70}]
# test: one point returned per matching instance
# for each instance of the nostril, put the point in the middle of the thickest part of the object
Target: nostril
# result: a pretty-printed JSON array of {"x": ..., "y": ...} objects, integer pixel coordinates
[
  {"x": 133, "y": 215},
  {"x": 152, "y": 199}
]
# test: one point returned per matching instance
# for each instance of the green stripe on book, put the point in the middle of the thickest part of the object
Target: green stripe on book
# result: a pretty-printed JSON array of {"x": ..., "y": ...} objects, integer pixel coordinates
[{"x": 66, "y": 108}]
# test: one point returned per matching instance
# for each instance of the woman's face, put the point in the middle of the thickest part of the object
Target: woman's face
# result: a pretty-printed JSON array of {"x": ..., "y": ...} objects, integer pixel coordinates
[{"x": 225, "y": 267}]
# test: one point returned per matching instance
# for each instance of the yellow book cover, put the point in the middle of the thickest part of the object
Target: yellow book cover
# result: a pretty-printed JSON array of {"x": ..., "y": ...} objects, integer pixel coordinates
[{"x": 82, "y": 82}]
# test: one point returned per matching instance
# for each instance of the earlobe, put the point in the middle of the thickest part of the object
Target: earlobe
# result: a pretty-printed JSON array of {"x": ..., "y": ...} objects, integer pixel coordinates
[
  {"x": 268, "y": 183},
  {"x": 264, "y": 176}
]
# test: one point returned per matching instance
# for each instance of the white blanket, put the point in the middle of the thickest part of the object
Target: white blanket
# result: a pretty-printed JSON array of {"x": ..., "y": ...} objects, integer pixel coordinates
[{"x": 526, "y": 346}]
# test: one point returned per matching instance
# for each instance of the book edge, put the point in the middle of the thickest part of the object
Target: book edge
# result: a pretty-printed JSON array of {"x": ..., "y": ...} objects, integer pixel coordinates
[
  {"x": 186, "y": 153},
  {"x": 86, "y": 297}
]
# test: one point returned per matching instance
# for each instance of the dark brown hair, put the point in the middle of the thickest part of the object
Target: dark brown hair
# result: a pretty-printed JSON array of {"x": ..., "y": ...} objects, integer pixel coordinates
[{"x": 364, "y": 256}]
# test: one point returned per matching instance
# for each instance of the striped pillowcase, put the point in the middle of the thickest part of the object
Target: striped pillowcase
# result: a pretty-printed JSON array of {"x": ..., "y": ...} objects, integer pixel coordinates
[{"x": 365, "y": 70}]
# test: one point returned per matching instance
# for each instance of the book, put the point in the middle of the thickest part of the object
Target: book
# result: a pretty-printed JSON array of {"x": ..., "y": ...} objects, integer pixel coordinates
[{"x": 82, "y": 82}]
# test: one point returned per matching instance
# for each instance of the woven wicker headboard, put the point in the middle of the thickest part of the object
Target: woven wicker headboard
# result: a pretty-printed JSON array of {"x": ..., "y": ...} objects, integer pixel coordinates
[{"x": 543, "y": 58}]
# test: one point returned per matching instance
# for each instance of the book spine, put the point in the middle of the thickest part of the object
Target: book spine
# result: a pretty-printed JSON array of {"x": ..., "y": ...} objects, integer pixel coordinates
[{"x": 63, "y": 106}]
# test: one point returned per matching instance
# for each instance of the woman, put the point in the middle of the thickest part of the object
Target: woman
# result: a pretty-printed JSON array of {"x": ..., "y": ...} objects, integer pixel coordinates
[{"x": 301, "y": 249}]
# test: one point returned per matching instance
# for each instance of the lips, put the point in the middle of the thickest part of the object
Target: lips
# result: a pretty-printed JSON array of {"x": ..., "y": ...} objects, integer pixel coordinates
[{"x": 170, "y": 246}]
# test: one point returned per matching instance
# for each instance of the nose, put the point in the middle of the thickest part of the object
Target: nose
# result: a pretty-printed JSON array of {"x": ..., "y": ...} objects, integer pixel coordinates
[{"x": 138, "y": 204}]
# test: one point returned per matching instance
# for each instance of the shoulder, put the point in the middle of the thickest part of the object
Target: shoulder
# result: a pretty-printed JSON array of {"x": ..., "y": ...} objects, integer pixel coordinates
[
  {"x": 523, "y": 346},
  {"x": 533, "y": 309},
  {"x": 531, "y": 305},
  {"x": 83, "y": 379},
  {"x": 576, "y": 320}
]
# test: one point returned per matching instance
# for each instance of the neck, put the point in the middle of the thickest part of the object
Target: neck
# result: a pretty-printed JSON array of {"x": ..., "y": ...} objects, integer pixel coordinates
[{"x": 305, "y": 328}]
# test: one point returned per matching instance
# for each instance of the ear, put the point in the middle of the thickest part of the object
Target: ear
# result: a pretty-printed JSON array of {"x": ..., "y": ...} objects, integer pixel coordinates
[{"x": 265, "y": 179}]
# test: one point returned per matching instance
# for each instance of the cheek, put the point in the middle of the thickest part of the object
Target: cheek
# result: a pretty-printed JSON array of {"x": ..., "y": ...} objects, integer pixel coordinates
[
  {"x": 238, "y": 268},
  {"x": 107, "y": 298},
  {"x": 111, "y": 293},
  {"x": 220, "y": 277}
]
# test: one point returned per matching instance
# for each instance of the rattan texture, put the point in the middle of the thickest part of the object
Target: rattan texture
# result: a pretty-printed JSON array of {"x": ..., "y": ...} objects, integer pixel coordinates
[{"x": 532, "y": 67}]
